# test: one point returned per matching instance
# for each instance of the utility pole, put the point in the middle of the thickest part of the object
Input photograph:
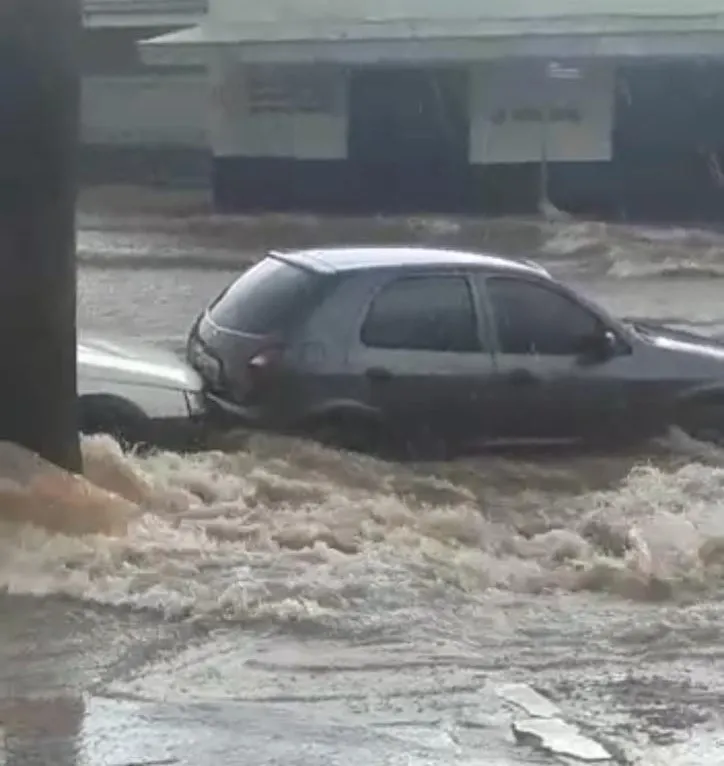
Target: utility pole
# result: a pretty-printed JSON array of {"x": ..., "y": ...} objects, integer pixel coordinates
[{"x": 39, "y": 102}]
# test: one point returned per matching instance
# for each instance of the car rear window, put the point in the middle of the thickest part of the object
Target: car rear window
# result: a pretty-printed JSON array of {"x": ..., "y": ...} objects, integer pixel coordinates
[{"x": 266, "y": 297}]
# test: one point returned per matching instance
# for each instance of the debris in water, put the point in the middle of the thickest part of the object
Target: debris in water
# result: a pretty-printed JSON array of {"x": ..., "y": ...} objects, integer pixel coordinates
[
  {"x": 546, "y": 730},
  {"x": 527, "y": 698},
  {"x": 554, "y": 735}
]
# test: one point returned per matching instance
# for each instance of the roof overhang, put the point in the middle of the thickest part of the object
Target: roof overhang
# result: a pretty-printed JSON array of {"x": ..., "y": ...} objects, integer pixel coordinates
[{"x": 199, "y": 44}]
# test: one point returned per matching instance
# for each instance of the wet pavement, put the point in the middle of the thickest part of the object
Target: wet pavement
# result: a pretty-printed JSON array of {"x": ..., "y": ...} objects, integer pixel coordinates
[
  {"x": 61, "y": 705},
  {"x": 286, "y": 604}
]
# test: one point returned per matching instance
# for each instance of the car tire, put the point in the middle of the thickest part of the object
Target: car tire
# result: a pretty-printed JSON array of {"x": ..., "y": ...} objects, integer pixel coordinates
[
  {"x": 348, "y": 431},
  {"x": 703, "y": 421},
  {"x": 117, "y": 418},
  {"x": 426, "y": 448}
]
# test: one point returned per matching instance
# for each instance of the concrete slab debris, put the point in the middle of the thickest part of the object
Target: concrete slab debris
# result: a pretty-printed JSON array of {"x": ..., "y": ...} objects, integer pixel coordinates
[
  {"x": 545, "y": 729},
  {"x": 556, "y": 736},
  {"x": 528, "y": 699}
]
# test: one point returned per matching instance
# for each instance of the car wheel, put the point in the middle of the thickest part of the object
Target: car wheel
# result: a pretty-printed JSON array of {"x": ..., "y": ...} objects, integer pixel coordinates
[
  {"x": 427, "y": 448},
  {"x": 703, "y": 421},
  {"x": 355, "y": 433},
  {"x": 117, "y": 418}
]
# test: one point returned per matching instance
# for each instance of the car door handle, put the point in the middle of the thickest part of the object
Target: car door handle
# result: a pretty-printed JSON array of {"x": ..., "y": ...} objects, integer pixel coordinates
[
  {"x": 379, "y": 374},
  {"x": 522, "y": 377}
]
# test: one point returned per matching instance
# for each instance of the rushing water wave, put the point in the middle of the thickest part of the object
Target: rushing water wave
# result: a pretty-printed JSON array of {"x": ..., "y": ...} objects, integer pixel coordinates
[{"x": 287, "y": 531}]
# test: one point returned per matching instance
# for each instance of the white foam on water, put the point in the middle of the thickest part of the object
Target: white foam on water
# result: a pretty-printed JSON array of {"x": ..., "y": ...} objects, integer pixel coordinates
[
  {"x": 288, "y": 531},
  {"x": 625, "y": 251},
  {"x": 703, "y": 747}
]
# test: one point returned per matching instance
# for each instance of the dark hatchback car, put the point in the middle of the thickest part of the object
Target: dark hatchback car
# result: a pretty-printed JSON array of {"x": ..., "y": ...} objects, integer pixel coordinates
[{"x": 420, "y": 349}]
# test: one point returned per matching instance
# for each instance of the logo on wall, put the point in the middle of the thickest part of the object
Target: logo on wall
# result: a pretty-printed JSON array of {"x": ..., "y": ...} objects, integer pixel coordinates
[
  {"x": 555, "y": 114},
  {"x": 277, "y": 90}
]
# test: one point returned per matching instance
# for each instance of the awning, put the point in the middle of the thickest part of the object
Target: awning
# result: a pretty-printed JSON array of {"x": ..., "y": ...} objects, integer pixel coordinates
[
  {"x": 190, "y": 47},
  {"x": 315, "y": 41}
]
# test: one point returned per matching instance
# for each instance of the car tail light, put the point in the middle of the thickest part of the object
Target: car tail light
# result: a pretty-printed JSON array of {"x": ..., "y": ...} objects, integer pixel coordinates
[
  {"x": 266, "y": 359},
  {"x": 260, "y": 378}
]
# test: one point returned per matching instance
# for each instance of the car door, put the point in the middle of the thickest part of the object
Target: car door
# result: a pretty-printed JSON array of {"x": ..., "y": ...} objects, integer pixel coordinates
[
  {"x": 545, "y": 390},
  {"x": 423, "y": 354}
]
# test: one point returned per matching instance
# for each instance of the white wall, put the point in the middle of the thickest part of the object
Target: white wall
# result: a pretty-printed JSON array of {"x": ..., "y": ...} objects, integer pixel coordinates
[
  {"x": 235, "y": 129},
  {"x": 165, "y": 109},
  {"x": 508, "y": 89},
  {"x": 512, "y": 89}
]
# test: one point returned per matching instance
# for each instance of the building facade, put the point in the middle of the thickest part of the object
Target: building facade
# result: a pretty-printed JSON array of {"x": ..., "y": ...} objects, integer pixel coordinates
[
  {"x": 140, "y": 122},
  {"x": 608, "y": 108}
]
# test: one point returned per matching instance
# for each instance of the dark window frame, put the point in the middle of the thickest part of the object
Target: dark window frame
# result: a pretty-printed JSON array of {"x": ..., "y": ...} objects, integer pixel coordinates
[
  {"x": 556, "y": 290},
  {"x": 482, "y": 340}
]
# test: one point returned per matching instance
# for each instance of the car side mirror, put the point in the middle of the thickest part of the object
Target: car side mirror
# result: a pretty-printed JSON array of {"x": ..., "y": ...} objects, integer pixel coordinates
[{"x": 597, "y": 347}]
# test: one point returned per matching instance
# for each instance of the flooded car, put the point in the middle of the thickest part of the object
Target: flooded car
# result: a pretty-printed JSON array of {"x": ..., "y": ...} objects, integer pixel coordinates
[
  {"x": 364, "y": 347},
  {"x": 138, "y": 393}
]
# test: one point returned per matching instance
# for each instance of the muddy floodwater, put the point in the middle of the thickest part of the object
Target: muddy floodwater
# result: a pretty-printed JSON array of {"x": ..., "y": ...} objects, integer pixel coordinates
[{"x": 280, "y": 603}]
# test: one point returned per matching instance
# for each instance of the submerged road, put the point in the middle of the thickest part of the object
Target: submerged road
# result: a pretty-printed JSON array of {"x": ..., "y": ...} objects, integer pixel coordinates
[{"x": 292, "y": 605}]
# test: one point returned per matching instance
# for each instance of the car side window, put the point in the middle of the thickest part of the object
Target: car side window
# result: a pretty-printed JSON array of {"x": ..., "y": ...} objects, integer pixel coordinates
[
  {"x": 434, "y": 313},
  {"x": 531, "y": 318}
]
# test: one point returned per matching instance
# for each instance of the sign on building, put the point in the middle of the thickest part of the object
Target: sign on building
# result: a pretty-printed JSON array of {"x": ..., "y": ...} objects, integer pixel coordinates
[{"x": 514, "y": 107}]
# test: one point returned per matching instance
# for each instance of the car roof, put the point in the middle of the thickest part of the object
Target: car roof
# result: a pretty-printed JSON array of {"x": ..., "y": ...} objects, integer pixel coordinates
[{"x": 338, "y": 259}]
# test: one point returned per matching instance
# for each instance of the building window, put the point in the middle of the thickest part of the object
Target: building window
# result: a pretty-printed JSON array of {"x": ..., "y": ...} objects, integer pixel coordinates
[{"x": 287, "y": 89}]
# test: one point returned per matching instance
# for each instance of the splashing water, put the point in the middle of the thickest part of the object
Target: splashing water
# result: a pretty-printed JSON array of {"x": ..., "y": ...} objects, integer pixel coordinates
[{"x": 287, "y": 530}]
